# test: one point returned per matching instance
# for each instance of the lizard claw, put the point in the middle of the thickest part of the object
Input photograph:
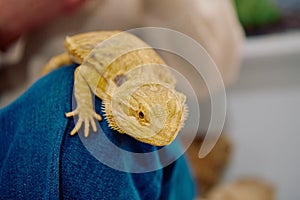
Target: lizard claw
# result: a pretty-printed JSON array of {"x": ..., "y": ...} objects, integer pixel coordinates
[
  {"x": 73, "y": 113},
  {"x": 85, "y": 116}
]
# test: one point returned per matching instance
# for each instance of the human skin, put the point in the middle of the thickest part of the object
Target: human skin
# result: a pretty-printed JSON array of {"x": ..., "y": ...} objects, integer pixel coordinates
[{"x": 17, "y": 17}]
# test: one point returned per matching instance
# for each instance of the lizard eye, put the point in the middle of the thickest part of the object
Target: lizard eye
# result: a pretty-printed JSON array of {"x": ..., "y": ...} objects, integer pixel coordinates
[
  {"x": 141, "y": 115},
  {"x": 142, "y": 118}
]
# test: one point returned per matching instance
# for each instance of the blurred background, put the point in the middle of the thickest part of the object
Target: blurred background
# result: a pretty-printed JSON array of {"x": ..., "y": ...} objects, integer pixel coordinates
[
  {"x": 255, "y": 44},
  {"x": 263, "y": 104},
  {"x": 263, "y": 113}
]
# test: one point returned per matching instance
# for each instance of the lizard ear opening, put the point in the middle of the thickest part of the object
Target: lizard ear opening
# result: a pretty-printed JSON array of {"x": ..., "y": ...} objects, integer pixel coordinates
[{"x": 120, "y": 79}]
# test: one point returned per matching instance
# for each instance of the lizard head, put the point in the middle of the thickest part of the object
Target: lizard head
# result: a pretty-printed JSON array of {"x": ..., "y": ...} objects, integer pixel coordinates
[{"x": 150, "y": 112}]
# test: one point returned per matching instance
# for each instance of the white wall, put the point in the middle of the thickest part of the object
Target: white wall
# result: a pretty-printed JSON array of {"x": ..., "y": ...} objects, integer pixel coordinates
[{"x": 264, "y": 114}]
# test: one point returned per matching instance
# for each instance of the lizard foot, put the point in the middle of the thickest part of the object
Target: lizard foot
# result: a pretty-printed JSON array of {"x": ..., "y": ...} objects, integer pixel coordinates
[{"x": 85, "y": 116}]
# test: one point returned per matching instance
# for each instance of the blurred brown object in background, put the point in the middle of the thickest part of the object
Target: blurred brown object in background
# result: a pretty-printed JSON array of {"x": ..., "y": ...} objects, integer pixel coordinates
[
  {"x": 243, "y": 189},
  {"x": 19, "y": 17},
  {"x": 208, "y": 170}
]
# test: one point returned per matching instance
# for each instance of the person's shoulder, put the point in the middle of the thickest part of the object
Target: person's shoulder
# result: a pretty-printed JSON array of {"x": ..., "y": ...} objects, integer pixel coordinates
[
  {"x": 57, "y": 85},
  {"x": 32, "y": 129},
  {"x": 41, "y": 107}
]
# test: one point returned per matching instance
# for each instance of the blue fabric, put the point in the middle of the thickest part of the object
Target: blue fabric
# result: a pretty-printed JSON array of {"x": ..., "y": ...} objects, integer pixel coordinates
[{"x": 40, "y": 160}]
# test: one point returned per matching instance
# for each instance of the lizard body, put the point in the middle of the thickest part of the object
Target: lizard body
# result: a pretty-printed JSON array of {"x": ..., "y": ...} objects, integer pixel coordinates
[{"x": 137, "y": 90}]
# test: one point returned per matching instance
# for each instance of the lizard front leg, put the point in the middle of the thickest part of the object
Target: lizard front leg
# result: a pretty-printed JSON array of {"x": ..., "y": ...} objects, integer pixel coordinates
[{"x": 85, "y": 109}]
